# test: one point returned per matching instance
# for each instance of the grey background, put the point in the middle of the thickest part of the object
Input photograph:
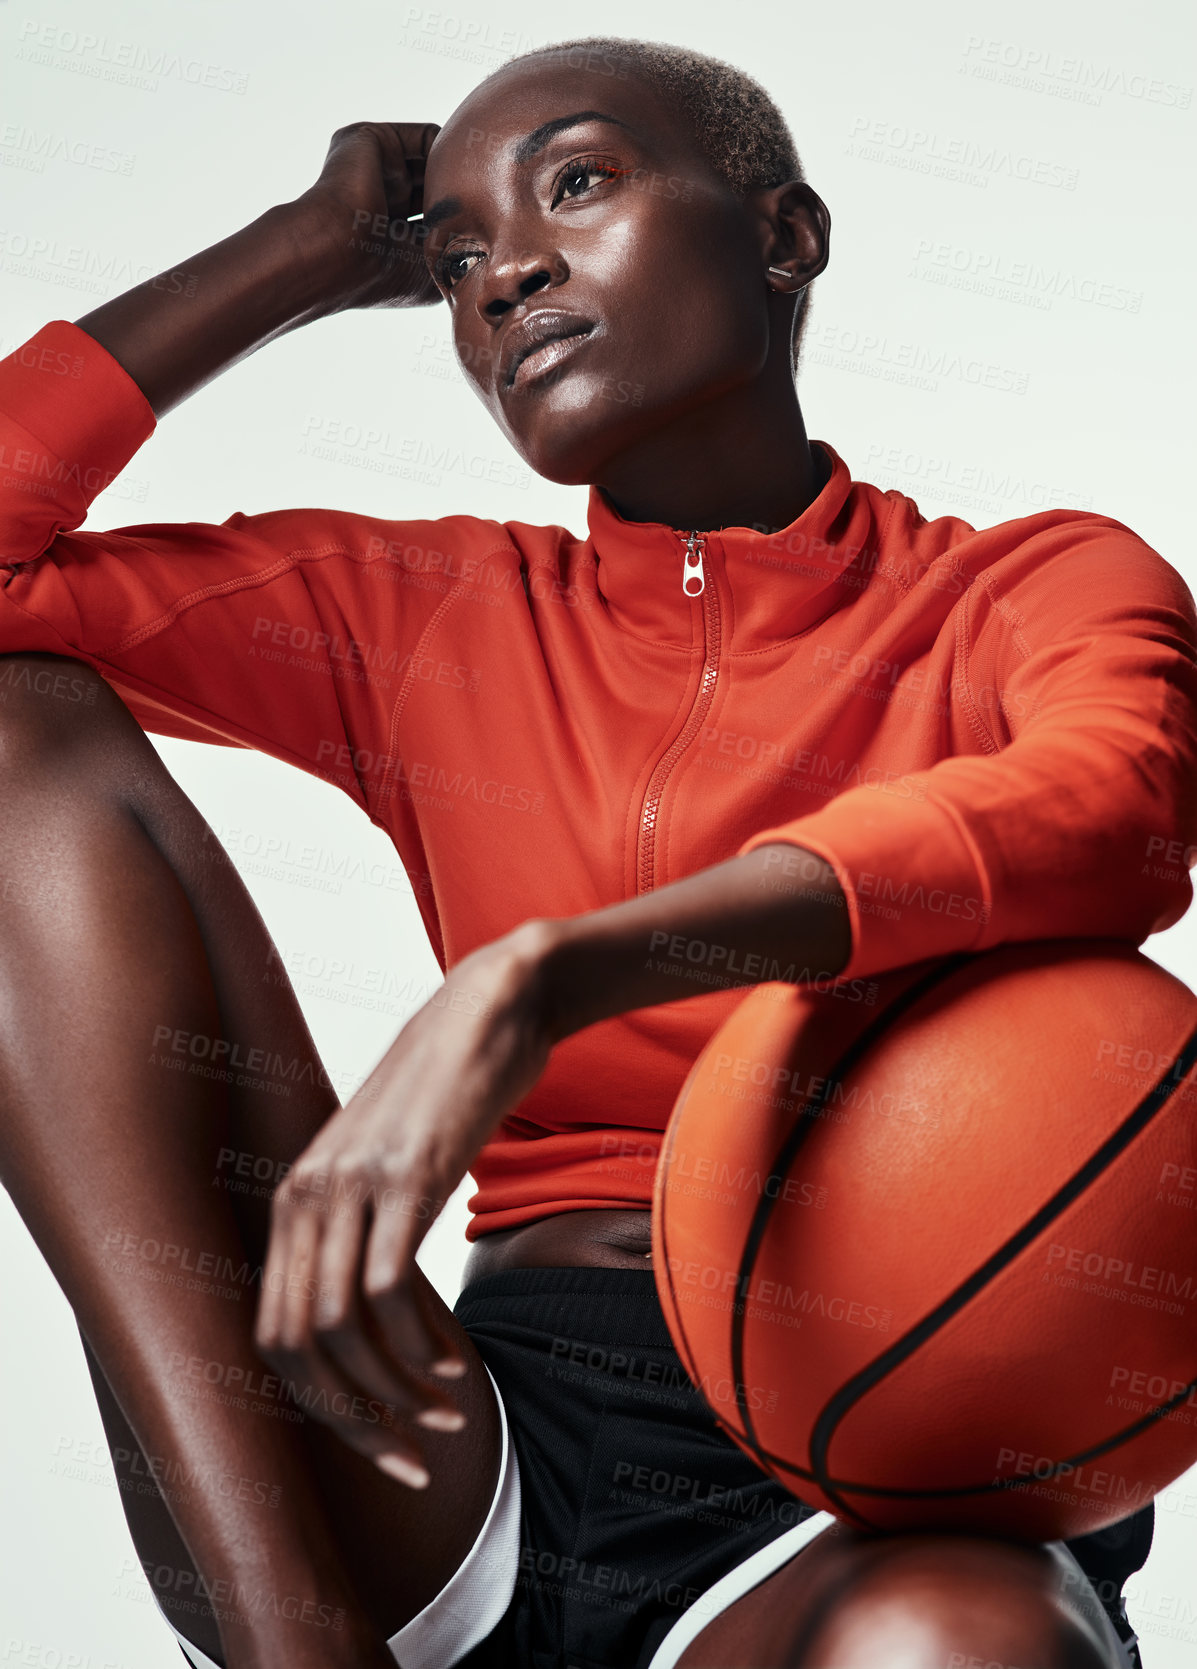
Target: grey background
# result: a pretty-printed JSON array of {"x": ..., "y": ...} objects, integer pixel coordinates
[{"x": 1005, "y": 325}]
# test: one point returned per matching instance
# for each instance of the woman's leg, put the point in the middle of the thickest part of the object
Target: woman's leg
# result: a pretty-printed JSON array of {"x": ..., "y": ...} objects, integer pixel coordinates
[
  {"x": 128, "y": 947},
  {"x": 913, "y": 1602}
]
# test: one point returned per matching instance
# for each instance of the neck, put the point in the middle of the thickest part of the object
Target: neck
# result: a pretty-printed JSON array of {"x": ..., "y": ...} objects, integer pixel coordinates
[{"x": 741, "y": 460}]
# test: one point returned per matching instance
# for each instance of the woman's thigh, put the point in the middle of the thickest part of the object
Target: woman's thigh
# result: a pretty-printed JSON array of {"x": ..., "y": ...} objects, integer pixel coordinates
[{"x": 86, "y": 765}]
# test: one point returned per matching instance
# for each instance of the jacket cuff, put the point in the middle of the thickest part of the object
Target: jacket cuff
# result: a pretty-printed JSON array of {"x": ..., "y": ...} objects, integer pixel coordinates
[
  {"x": 914, "y": 882},
  {"x": 74, "y": 417}
]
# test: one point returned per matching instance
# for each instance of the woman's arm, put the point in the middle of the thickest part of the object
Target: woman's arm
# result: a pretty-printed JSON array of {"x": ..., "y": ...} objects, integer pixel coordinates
[
  {"x": 1080, "y": 822},
  {"x": 777, "y": 913},
  {"x": 177, "y": 615},
  {"x": 299, "y": 261}
]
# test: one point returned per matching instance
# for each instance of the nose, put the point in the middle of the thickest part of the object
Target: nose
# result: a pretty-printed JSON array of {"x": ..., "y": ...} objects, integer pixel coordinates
[{"x": 514, "y": 276}]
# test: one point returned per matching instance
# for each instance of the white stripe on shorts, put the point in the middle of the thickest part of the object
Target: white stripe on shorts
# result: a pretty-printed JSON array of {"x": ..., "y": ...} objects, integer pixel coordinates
[{"x": 734, "y": 1584}]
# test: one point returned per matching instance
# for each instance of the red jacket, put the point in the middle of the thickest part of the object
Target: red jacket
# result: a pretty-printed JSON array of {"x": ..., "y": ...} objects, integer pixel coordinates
[{"x": 989, "y": 735}]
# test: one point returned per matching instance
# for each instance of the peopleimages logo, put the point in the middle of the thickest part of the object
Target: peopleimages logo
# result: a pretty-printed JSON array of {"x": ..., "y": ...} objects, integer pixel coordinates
[
  {"x": 128, "y": 63},
  {"x": 912, "y": 364},
  {"x": 994, "y": 273},
  {"x": 1123, "y": 1272},
  {"x": 1064, "y": 74},
  {"x": 957, "y": 158},
  {"x": 30, "y": 255},
  {"x": 325, "y": 648},
  {"x": 30, "y": 149},
  {"x": 727, "y": 1289}
]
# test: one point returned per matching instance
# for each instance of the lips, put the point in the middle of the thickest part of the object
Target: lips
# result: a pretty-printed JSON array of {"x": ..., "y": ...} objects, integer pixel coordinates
[{"x": 547, "y": 324}]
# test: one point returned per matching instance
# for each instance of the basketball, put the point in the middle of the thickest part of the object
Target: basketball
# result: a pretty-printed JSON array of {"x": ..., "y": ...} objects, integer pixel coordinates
[{"x": 929, "y": 1246}]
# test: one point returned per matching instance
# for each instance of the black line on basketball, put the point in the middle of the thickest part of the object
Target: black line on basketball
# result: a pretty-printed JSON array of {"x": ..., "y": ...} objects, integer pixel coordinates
[
  {"x": 803, "y": 1124},
  {"x": 665, "y": 1158},
  {"x": 995, "y": 1485},
  {"x": 902, "y": 1349}
]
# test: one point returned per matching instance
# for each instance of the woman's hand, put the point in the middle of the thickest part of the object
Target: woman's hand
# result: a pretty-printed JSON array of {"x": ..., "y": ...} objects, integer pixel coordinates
[
  {"x": 360, "y": 213},
  {"x": 340, "y": 1316}
]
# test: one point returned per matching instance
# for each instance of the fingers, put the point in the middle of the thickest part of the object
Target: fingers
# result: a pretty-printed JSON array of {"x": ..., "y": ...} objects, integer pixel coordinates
[
  {"x": 391, "y": 1281},
  {"x": 290, "y": 1255},
  {"x": 313, "y": 1330},
  {"x": 447, "y": 1362},
  {"x": 373, "y": 179},
  {"x": 346, "y": 1332},
  {"x": 415, "y": 139},
  {"x": 408, "y": 1331},
  {"x": 401, "y": 149}
]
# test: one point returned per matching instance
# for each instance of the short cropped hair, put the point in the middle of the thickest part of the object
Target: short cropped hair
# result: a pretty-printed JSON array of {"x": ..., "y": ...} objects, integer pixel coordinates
[{"x": 742, "y": 135}]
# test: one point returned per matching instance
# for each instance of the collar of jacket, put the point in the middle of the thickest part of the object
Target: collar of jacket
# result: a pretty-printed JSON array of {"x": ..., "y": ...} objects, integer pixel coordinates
[{"x": 769, "y": 586}]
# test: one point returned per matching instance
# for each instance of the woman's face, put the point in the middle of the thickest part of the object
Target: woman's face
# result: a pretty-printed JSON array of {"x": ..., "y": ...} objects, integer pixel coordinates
[{"x": 613, "y": 235}]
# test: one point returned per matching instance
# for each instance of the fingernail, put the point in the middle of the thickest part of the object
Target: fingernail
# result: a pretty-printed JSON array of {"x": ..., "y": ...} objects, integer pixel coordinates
[
  {"x": 449, "y": 1367},
  {"x": 441, "y": 1419},
  {"x": 406, "y": 1471}
]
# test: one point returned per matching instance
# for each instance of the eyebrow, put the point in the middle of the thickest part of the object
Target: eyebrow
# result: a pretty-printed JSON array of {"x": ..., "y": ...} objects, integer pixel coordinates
[
  {"x": 539, "y": 137},
  {"x": 527, "y": 148}
]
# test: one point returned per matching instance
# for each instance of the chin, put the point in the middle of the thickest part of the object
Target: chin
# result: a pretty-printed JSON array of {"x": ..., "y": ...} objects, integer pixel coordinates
[
  {"x": 572, "y": 442},
  {"x": 574, "y": 464}
]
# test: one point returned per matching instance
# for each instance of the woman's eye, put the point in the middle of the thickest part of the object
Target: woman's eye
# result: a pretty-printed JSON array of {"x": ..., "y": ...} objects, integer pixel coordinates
[
  {"x": 450, "y": 268},
  {"x": 578, "y": 173},
  {"x": 574, "y": 182}
]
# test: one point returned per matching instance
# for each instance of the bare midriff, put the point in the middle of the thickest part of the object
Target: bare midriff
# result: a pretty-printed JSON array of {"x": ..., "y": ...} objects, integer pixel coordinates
[{"x": 603, "y": 1239}]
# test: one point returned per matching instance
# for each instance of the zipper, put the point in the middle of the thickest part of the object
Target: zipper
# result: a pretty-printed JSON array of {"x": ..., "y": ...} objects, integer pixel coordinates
[
  {"x": 693, "y": 585},
  {"x": 694, "y": 579}
]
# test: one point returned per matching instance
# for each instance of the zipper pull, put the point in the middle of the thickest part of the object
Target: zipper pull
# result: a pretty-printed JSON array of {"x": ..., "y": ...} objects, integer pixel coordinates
[{"x": 694, "y": 581}]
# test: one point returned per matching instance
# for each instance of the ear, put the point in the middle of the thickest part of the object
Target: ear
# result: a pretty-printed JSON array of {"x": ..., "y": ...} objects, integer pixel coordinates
[{"x": 795, "y": 233}]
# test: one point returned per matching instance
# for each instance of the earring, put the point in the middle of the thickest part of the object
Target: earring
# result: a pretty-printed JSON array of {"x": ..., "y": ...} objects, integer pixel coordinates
[{"x": 780, "y": 271}]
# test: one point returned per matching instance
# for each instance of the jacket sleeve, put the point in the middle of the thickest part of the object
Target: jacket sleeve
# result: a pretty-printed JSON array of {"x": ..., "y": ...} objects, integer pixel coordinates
[
  {"x": 1080, "y": 818},
  {"x": 289, "y": 632}
]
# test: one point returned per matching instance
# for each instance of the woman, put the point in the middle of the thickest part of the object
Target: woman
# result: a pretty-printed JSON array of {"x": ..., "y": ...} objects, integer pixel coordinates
[{"x": 544, "y": 725}]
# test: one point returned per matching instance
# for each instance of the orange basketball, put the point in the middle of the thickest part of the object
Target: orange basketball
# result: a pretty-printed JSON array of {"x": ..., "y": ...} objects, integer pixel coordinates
[{"x": 933, "y": 1260}]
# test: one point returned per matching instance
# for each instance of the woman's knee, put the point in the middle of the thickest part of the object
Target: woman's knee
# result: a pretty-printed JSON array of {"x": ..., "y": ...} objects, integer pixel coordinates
[
  {"x": 53, "y": 708},
  {"x": 950, "y": 1603},
  {"x": 67, "y": 742}
]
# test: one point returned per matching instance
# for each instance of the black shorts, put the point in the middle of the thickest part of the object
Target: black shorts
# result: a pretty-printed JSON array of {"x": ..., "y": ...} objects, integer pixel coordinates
[{"x": 633, "y": 1502}]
